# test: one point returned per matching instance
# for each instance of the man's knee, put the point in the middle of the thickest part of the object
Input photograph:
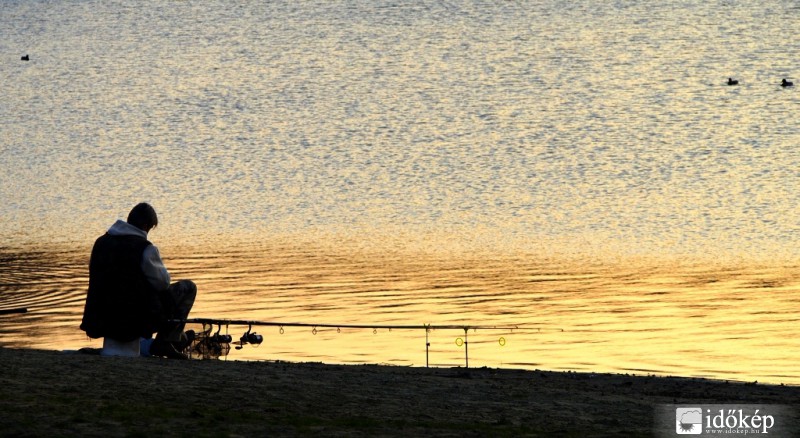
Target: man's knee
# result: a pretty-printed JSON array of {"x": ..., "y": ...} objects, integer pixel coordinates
[
  {"x": 184, "y": 293},
  {"x": 187, "y": 287},
  {"x": 183, "y": 287}
]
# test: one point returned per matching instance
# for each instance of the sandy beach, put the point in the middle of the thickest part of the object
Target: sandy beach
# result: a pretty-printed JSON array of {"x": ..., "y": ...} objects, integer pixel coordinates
[{"x": 50, "y": 393}]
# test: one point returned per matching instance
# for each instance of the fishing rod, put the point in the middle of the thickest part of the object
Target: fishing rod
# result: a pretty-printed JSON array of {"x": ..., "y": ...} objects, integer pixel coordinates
[
  {"x": 216, "y": 344},
  {"x": 215, "y": 321}
]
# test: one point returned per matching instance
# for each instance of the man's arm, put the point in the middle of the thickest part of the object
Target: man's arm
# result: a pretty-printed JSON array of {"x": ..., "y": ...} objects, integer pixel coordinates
[{"x": 154, "y": 269}]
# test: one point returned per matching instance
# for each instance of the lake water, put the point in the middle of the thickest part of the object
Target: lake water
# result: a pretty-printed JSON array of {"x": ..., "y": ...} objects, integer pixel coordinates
[{"x": 580, "y": 170}]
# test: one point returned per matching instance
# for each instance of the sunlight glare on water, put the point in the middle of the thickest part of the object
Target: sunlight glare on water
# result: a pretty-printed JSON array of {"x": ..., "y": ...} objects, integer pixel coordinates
[{"x": 703, "y": 320}]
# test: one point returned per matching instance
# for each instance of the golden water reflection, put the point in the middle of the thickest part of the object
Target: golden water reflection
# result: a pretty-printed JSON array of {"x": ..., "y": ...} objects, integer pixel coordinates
[{"x": 713, "y": 320}]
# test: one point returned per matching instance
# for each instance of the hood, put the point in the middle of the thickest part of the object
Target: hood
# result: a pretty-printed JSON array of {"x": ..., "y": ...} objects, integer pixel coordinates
[{"x": 122, "y": 228}]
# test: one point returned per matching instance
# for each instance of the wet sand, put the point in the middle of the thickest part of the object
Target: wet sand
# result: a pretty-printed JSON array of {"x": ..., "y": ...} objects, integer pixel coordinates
[{"x": 49, "y": 393}]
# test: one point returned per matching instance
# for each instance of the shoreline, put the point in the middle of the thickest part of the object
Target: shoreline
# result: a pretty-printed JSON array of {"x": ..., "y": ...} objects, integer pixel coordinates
[{"x": 51, "y": 393}]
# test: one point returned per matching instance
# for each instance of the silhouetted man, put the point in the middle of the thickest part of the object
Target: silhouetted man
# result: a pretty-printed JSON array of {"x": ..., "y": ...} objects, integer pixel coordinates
[{"x": 130, "y": 295}]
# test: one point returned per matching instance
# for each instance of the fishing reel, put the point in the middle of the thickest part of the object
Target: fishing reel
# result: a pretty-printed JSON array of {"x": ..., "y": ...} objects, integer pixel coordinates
[
  {"x": 220, "y": 339},
  {"x": 210, "y": 346},
  {"x": 250, "y": 337}
]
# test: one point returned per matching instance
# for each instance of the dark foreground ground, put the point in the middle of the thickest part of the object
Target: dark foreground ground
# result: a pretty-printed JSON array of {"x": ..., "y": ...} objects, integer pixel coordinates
[{"x": 48, "y": 393}]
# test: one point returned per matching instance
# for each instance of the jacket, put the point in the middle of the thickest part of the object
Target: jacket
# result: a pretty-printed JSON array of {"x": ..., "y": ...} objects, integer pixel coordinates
[{"x": 126, "y": 276}]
